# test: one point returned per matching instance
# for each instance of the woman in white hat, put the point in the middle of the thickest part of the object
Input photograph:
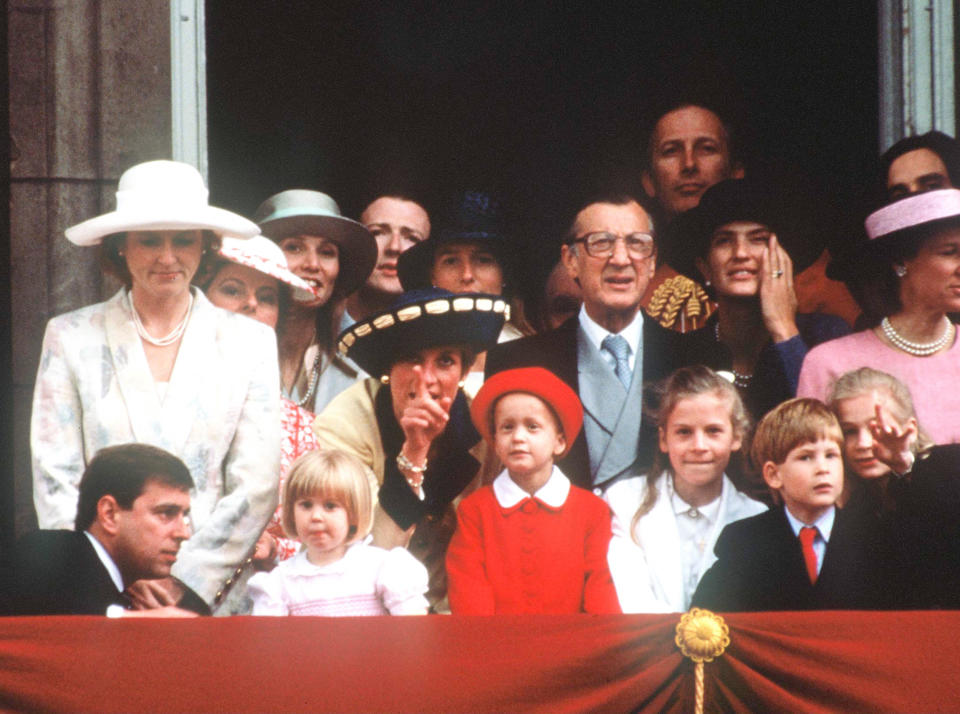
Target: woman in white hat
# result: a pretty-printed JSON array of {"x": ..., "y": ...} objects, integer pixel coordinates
[
  {"x": 158, "y": 364},
  {"x": 913, "y": 257},
  {"x": 334, "y": 255},
  {"x": 251, "y": 277}
]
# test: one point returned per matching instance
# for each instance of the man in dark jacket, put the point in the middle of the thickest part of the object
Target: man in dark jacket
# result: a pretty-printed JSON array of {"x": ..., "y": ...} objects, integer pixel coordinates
[{"x": 132, "y": 517}]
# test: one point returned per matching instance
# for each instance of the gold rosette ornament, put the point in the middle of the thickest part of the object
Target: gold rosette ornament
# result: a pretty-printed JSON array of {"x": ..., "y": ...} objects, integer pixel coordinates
[{"x": 701, "y": 636}]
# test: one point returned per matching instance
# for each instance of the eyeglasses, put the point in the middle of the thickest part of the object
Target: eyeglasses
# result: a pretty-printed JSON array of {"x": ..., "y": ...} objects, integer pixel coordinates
[{"x": 601, "y": 244}]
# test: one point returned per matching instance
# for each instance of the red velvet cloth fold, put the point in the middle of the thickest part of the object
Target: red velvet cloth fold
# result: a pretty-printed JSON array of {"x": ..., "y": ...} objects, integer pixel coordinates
[{"x": 789, "y": 662}]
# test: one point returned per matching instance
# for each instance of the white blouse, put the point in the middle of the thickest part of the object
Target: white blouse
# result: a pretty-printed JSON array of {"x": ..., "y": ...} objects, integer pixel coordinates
[{"x": 367, "y": 580}]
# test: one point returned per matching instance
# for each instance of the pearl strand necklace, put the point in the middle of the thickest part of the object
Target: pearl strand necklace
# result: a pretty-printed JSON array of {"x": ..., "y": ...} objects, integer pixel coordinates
[
  {"x": 312, "y": 384},
  {"x": 739, "y": 380},
  {"x": 169, "y": 339},
  {"x": 918, "y": 349}
]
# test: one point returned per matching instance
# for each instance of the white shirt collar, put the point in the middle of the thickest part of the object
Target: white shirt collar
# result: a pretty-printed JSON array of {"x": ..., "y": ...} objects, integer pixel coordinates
[
  {"x": 824, "y": 524},
  {"x": 554, "y": 492},
  {"x": 106, "y": 560},
  {"x": 709, "y": 511},
  {"x": 632, "y": 333},
  {"x": 301, "y": 565}
]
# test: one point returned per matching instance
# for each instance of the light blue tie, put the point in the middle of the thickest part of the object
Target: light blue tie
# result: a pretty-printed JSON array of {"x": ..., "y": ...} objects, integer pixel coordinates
[{"x": 618, "y": 347}]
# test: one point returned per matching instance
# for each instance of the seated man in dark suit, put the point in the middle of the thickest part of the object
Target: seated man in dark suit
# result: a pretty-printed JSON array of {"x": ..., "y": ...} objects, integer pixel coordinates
[
  {"x": 807, "y": 554},
  {"x": 609, "y": 350},
  {"x": 132, "y": 517}
]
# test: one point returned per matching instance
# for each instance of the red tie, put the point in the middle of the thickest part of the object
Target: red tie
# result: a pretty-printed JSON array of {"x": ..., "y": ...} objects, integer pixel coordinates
[{"x": 807, "y": 534}]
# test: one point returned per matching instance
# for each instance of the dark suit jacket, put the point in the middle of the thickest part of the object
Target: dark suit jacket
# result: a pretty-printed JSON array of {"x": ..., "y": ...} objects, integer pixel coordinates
[
  {"x": 58, "y": 572},
  {"x": 760, "y": 567},
  {"x": 556, "y": 350}
]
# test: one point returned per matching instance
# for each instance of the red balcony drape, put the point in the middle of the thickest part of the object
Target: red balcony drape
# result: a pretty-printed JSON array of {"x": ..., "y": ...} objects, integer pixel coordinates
[{"x": 790, "y": 662}]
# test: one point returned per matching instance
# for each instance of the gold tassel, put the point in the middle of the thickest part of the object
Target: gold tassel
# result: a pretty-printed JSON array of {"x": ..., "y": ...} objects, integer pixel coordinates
[{"x": 701, "y": 636}]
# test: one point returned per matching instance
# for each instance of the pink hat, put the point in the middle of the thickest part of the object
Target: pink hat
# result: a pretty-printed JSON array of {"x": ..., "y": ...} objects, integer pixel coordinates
[
  {"x": 261, "y": 253},
  {"x": 914, "y": 211}
]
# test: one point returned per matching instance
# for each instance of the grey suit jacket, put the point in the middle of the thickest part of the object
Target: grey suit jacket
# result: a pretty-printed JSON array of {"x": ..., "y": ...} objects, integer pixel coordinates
[{"x": 558, "y": 351}]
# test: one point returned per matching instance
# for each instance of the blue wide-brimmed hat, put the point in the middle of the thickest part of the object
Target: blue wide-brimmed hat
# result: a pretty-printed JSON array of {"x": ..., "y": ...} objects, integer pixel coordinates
[
  {"x": 420, "y": 319},
  {"x": 477, "y": 218}
]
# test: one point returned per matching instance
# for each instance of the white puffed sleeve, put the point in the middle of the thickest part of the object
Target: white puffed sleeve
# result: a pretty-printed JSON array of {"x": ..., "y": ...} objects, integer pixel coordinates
[
  {"x": 402, "y": 583},
  {"x": 267, "y": 592}
]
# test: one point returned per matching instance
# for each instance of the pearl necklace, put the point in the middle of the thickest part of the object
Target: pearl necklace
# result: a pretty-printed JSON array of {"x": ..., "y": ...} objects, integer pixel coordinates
[
  {"x": 739, "y": 380},
  {"x": 918, "y": 349},
  {"x": 169, "y": 339},
  {"x": 314, "y": 378}
]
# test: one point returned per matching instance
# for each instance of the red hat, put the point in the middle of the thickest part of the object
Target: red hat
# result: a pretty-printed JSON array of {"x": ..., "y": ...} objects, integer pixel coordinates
[{"x": 540, "y": 383}]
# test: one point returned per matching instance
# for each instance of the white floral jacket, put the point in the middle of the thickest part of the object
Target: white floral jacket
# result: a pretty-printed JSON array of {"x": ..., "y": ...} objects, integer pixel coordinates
[{"x": 220, "y": 415}]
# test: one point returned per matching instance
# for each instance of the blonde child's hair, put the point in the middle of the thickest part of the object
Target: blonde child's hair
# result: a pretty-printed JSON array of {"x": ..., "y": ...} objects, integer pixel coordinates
[
  {"x": 865, "y": 380},
  {"x": 789, "y": 424},
  {"x": 685, "y": 383},
  {"x": 336, "y": 475}
]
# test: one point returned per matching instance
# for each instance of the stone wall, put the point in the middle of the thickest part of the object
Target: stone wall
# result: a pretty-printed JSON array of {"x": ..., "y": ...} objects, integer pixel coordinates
[{"x": 89, "y": 90}]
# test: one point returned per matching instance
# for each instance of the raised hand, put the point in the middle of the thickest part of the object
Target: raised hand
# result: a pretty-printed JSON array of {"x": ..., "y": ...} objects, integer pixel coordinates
[
  {"x": 423, "y": 418},
  {"x": 778, "y": 299},
  {"x": 892, "y": 443}
]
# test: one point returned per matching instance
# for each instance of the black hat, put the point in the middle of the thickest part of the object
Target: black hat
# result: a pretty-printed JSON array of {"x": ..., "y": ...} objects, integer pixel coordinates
[
  {"x": 420, "y": 319},
  {"x": 688, "y": 237},
  {"x": 477, "y": 218}
]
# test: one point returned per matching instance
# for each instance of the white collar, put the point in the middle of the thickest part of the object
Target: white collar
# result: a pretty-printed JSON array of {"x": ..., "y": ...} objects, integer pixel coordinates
[
  {"x": 554, "y": 492},
  {"x": 106, "y": 560},
  {"x": 824, "y": 524},
  {"x": 632, "y": 333},
  {"x": 301, "y": 565},
  {"x": 708, "y": 511}
]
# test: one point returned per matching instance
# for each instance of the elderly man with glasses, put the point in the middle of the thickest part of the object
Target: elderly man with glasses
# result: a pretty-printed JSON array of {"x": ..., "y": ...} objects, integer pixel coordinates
[{"x": 607, "y": 352}]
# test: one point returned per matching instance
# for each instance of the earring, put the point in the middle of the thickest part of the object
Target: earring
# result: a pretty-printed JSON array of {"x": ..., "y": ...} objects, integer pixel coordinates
[
  {"x": 707, "y": 282},
  {"x": 120, "y": 253},
  {"x": 461, "y": 383},
  {"x": 900, "y": 270},
  {"x": 385, "y": 379}
]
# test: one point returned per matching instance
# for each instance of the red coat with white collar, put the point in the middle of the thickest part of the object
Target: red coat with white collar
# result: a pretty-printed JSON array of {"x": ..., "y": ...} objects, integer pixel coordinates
[{"x": 531, "y": 557}]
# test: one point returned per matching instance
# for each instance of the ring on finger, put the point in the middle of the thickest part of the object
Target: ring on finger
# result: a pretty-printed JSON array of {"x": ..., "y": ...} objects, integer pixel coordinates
[{"x": 778, "y": 273}]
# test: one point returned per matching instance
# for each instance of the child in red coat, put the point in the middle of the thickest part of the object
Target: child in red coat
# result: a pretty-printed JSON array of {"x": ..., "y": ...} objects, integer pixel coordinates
[{"x": 530, "y": 542}]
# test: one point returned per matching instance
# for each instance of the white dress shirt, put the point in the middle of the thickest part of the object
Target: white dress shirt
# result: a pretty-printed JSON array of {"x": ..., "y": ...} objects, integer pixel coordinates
[
  {"x": 824, "y": 525},
  {"x": 632, "y": 333}
]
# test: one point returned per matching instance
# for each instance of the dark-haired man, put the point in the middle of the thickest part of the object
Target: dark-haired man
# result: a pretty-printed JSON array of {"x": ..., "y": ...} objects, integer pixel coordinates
[
  {"x": 920, "y": 163},
  {"x": 608, "y": 351},
  {"x": 397, "y": 223},
  {"x": 132, "y": 517}
]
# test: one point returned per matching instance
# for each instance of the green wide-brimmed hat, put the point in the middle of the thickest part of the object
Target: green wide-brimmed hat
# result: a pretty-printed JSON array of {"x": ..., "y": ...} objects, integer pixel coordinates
[{"x": 304, "y": 212}]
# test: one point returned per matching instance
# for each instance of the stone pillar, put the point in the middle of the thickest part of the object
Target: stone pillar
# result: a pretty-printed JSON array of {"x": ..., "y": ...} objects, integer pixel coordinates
[
  {"x": 89, "y": 88},
  {"x": 916, "y": 68}
]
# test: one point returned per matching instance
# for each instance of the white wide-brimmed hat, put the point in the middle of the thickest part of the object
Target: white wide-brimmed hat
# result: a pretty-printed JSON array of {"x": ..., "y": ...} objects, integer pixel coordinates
[
  {"x": 261, "y": 253},
  {"x": 161, "y": 195}
]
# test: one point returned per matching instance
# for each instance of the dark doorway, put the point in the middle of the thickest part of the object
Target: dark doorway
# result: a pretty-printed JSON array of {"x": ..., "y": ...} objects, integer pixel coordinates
[{"x": 536, "y": 99}]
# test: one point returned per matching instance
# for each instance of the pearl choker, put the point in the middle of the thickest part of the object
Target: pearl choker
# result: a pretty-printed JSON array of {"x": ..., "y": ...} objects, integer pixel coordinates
[
  {"x": 169, "y": 339},
  {"x": 918, "y": 349}
]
